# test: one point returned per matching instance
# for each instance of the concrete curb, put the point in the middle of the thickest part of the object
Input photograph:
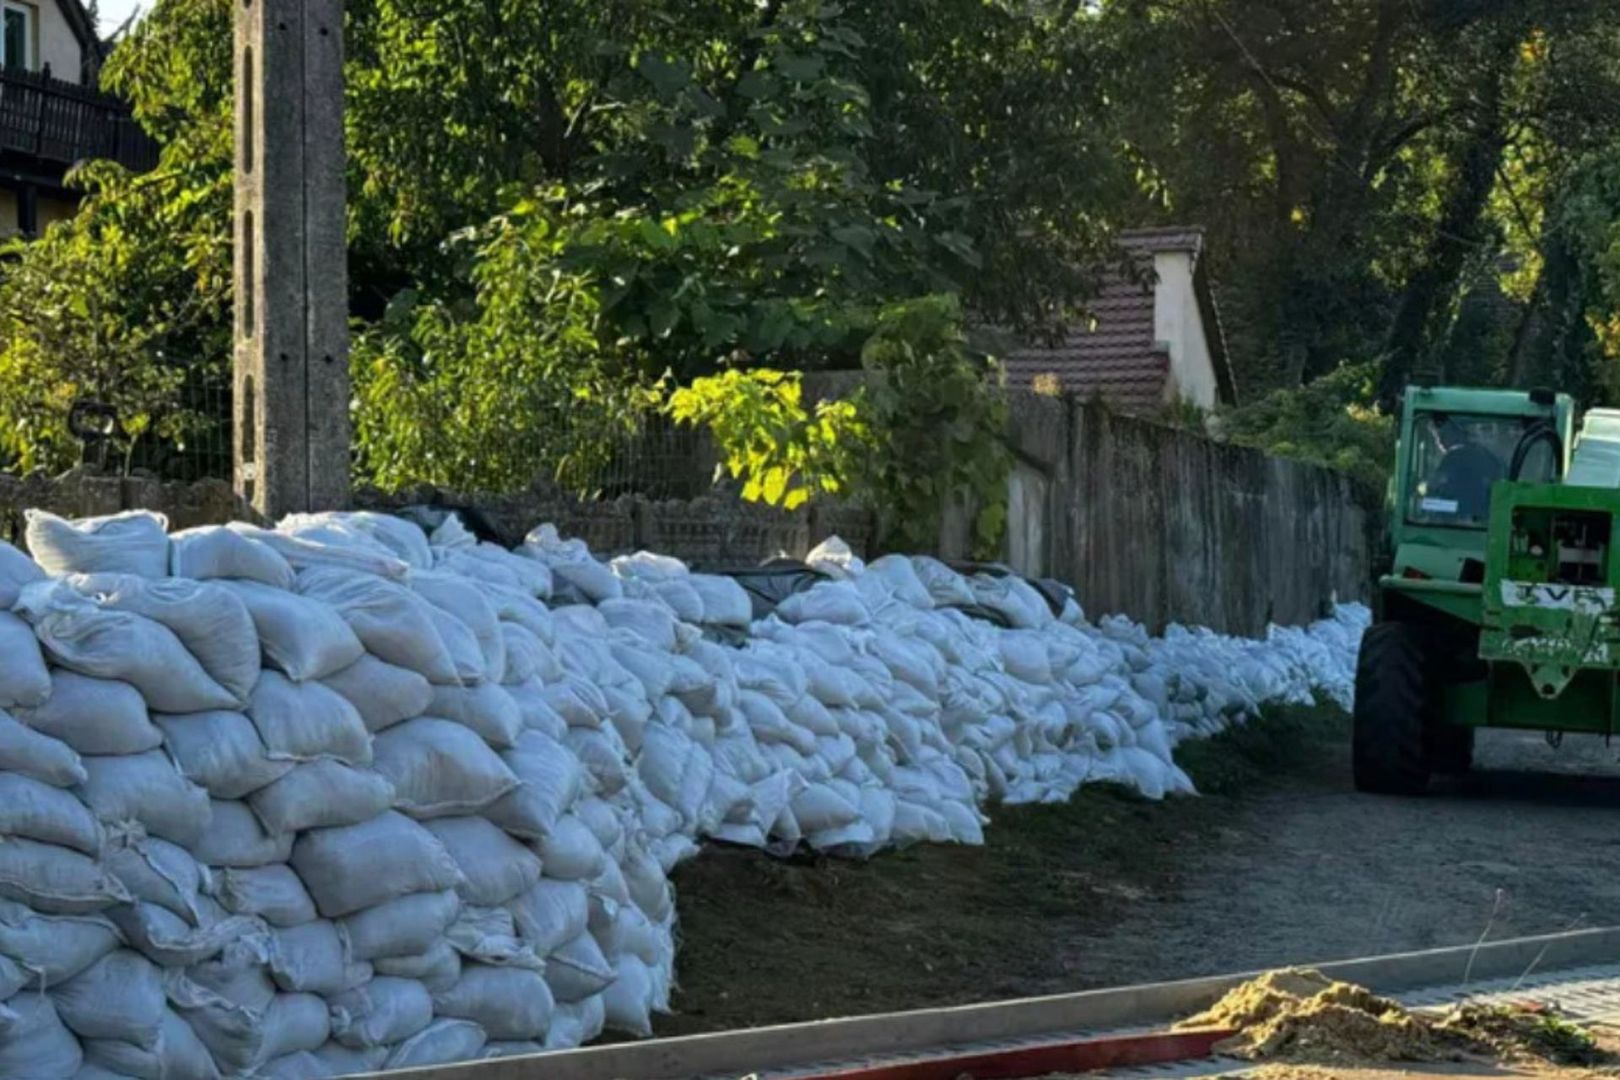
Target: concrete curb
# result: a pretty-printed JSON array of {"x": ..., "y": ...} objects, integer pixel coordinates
[{"x": 801, "y": 1045}]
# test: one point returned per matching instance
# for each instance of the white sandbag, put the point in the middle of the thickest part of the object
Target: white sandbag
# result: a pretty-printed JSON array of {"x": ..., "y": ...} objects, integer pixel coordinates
[
  {"x": 627, "y": 1001},
  {"x": 551, "y": 913},
  {"x": 725, "y": 603},
  {"x": 463, "y": 601},
  {"x": 489, "y": 935},
  {"x": 576, "y": 1024},
  {"x": 24, "y": 680},
  {"x": 242, "y": 1038},
  {"x": 652, "y": 622},
  {"x": 676, "y": 770},
  {"x": 488, "y": 709},
  {"x": 577, "y": 970},
  {"x": 35, "y": 811},
  {"x": 340, "y": 1060},
  {"x": 405, "y": 926},
  {"x": 495, "y": 867},
  {"x": 273, "y": 893},
  {"x": 383, "y": 694},
  {"x": 120, "y": 996},
  {"x": 579, "y": 702},
  {"x": 393, "y": 623},
  {"x": 437, "y": 969},
  {"x": 537, "y": 714},
  {"x": 440, "y": 1042},
  {"x": 440, "y": 768},
  {"x": 836, "y": 602},
  {"x": 156, "y": 871},
  {"x": 652, "y": 668},
  {"x": 53, "y": 948},
  {"x": 307, "y": 722},
  {"x": 648, "y": 566},
  {"x": 33, "y": 1040},
  {"x": 170, "y": 941},
  {"x": 321, "y": 794},
  {"x": 16, "y": 571},
  {"x": 301, "y": 638},
  {"x": 550, "y": 779},
  {"x": 381, "y": 1013},
  {"x": 134, "y": 542},
  {"x": 403, "y": 538},
  {"x": 177, "y": 1054},
  {"x": 507, "y": 1002},
  {"x": 236, "y": 838},
  {"x": 353, "y": 867},
  {"x": 221, "y": 752},
  {"x": 570, "y": 851},
  {"x": 92, "y": 640},
  {"x": 311, "y": 550},
  {"x": 210, "y": 621},
  {"x": 461, "y": 644},
  {"x": 524, "y": 655},
  {"x": 676, "y": 594},
  {"x": 48, "y": 760},
  {"x": 300, "y": 1065},
  {"x": 213, "y": 551},
  {"x": 148, "y": 789},
  {"x": 94, "y": 716},
  {"x": 587, "y": 580},
  {"x": 313, "y": 958},
  {"x": 648, "y": 887}
]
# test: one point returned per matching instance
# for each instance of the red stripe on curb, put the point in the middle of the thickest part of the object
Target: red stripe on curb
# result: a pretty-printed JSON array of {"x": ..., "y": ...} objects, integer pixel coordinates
[{"x": 1083, "y": 1055}]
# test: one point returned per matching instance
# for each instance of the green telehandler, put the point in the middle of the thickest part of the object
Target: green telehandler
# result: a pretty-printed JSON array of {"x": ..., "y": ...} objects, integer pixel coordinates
[{"x": 1499, "y": 608}]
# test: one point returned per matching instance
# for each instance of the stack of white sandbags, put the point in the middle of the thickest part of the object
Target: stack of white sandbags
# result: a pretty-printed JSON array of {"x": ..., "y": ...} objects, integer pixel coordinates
[{"x": 343, "y": 796}]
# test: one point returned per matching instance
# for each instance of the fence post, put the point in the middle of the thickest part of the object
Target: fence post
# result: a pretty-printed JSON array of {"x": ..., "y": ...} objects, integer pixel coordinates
[{"x": 291, "y": 378}]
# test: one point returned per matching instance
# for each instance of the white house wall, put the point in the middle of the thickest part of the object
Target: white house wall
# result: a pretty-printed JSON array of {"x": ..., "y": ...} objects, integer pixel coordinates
[
  {"x": 1178, "y": 325},
  {"x": 55, "y": 43}
]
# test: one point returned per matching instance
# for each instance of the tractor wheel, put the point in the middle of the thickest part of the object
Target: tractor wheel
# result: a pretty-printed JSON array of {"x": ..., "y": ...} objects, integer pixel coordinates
[
  {"x": 1451, "y": 749},
  {"x": 1387, "y": 746}
]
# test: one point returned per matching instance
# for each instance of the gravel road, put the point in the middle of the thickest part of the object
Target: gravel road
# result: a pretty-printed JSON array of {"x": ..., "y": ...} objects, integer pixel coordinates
[{"x": 1312, "y": 870}]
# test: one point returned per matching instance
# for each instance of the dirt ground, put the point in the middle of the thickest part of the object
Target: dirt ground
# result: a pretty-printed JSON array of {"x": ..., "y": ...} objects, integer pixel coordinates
[{"x": 1279, "y": 862}]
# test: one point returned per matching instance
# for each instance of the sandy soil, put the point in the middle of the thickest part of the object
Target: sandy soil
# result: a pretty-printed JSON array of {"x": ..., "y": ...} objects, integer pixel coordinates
[{"x": 1280, "y": 862}]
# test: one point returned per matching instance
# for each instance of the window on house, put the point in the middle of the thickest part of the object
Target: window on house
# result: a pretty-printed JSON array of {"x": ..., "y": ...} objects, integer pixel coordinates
[{"x": 17, "y": 36}]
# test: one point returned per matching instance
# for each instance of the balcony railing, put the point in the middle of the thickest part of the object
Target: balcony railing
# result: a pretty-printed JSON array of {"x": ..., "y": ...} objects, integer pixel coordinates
[{"x": 65, "y": 123}]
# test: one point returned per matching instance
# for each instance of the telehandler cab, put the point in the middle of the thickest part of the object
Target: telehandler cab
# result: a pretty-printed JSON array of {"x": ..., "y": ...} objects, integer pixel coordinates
[{"x": 1499, "y": 609}]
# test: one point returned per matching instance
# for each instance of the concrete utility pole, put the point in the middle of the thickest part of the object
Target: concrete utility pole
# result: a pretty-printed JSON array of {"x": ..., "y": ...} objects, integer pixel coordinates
[{"x": 291, "y": 447}]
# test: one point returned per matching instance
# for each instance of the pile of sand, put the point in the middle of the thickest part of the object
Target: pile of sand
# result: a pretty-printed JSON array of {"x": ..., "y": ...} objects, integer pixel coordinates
[{"x": 1298, "y": 1014}]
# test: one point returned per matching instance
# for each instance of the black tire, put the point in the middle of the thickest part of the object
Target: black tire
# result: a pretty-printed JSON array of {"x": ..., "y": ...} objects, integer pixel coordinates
[
  {"x": 1451, "y": 749},
  {"x": 1393, "y": 702}
]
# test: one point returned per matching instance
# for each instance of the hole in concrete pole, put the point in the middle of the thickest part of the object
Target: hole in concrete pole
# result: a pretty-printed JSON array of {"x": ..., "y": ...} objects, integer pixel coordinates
[
  {"x": 245, "y": 136},
  {"x": 248, "y": 276},
  {"x": 247, "y": 452}
]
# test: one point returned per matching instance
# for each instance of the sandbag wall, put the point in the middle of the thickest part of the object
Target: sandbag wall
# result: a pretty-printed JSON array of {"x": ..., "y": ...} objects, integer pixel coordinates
[{"x": 342, "y": 796}]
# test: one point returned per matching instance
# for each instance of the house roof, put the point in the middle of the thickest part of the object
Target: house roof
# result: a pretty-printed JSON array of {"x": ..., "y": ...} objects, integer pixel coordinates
[{"x": 1115, "y": 355}]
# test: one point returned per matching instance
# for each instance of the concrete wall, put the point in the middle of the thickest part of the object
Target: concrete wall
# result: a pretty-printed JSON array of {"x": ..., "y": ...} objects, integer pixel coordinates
[
  {"x": 1166, "y": 526},
  {"x": 1178, "y": 325}
]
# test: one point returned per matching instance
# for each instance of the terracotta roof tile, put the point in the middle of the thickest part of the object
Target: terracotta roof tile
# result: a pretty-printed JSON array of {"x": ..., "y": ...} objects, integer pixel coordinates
[{"x": 1115, "y": 356}]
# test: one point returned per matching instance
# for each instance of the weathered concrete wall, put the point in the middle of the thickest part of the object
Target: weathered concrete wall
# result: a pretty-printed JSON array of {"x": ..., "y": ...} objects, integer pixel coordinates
[
  {"x": 712, "y": 531},
  {"x": 78, "y": 493},
  {"x": 1166, "y": 526}
]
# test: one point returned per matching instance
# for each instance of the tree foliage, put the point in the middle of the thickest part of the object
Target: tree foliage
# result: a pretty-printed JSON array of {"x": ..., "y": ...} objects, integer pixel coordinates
[
  {"x": 925, "y": 427},
  {"x": 554, "y": 206}
]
